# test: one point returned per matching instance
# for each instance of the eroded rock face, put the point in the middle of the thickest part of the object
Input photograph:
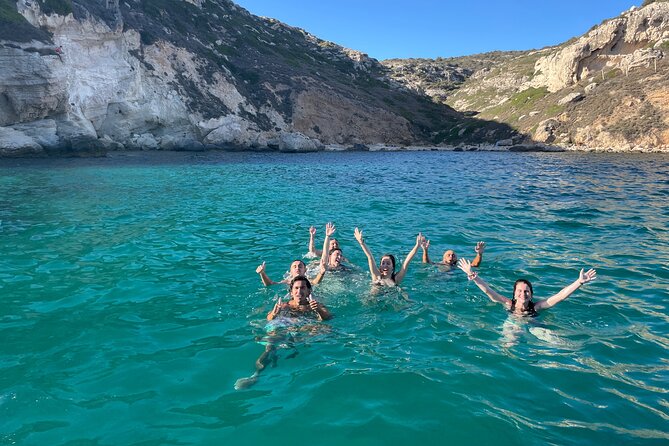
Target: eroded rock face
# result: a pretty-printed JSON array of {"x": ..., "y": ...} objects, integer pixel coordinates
[
  {"x": 15, "y": 143},
  {"x": 618, "y": 43},
  {"x": 545, "y": 132},
  {"x": 121, "y": 81},
  {"x": 333, "y": 118},
  {"x": 29, "y": 89}
]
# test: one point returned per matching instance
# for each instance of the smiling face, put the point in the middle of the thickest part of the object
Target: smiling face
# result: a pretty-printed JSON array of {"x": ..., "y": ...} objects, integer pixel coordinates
[
  {"x": 450, "y": 258},
  {"x": 387, "y": 266},
  {"x": 300, "y": 290},
  {"x": 522, "y": 293},
  {"x": 297, "y": 268},
  {"x": 334, "y": 244}
]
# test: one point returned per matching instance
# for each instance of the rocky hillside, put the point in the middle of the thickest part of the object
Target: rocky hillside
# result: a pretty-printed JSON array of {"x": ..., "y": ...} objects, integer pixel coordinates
[
  {"x": 87, "y": 76},
  {"x": 608, "y": 88}
]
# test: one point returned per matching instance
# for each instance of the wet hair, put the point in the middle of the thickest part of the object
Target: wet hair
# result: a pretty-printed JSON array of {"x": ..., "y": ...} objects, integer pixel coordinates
[
  {"x": 298, "y": 260},
  {"x": 335, "y": 250},
  {"x": 526, "y": 282},
  {"x": 530, "y": 307},
  {"x": 392, "y": 259},
  {"x": 298, "y": 279}
]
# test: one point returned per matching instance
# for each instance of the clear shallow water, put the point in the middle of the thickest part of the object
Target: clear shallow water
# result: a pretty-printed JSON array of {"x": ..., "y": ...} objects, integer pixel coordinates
[{"x": 129, "y": 303}]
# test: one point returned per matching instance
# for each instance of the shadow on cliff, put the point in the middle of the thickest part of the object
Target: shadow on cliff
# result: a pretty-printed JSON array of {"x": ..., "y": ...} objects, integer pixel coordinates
[{"x": 318, "y": 88}]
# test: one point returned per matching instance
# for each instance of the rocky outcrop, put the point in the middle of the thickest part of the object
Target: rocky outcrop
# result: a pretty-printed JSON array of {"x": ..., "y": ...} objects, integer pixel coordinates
[
  {"x": 620, "y": 43},
  {"x": 602, "y": 89},
  {"x": 194, "y": 75}
]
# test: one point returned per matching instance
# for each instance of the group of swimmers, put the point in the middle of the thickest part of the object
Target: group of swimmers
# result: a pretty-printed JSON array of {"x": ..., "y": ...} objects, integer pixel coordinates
[{"x": 302, "y": 303}]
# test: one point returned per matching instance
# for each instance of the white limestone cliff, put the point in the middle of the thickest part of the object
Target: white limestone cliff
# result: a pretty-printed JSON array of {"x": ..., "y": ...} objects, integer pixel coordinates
[{"x": 619, "y": 43}]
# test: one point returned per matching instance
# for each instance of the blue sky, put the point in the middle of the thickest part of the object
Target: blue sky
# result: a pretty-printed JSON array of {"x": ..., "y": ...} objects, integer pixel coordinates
[{"x": 431, "y": 28}]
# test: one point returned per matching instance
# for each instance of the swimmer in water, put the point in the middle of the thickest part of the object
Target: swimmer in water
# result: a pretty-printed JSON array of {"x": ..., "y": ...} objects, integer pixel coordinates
[
  {"x": 335, "y": 261},
  {"x": 450, "y": 259},
  {"x": 300, "y": 306},
  {"x": 385, "y": 274},
  {"x": 333, "y": 244},
  {"x": 298, "y": 267},
  {"x": 522, "y": 304}
]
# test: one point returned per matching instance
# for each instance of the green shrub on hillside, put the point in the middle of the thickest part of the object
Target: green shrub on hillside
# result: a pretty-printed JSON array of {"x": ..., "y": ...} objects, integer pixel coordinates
[
  {"x": 527, "y": 97},
  {"x": 14, "y": 27},
  {"x": 8, "y": 13}
]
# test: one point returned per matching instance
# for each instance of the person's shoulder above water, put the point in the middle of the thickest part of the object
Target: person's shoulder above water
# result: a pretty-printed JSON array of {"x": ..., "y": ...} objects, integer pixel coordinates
[
  {"x": 522, "y": 302},
  {"x": 450, "y": 258}
]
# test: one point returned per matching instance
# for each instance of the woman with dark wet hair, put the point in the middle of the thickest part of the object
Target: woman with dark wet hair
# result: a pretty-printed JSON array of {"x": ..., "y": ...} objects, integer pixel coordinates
[
  {"x": 385, "y": 274},
  {"x": 522, "y": 303}
]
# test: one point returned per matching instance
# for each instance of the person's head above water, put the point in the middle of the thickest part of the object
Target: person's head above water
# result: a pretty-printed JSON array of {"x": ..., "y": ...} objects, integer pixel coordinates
[
  {"x": 335, "y": 258},
  {"x": 450, "y": 258},
  {"x": 522, "y": 293},
  {"x": 334, "y": 244},
  {"x": 387, "y": 265},
  {"x": 300, "y": 289},
  {"x": 297, "y": 268}
]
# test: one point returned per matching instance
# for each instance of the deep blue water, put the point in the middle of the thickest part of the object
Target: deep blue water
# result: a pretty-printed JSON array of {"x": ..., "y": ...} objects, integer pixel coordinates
[{"x": 129, "y": 302}]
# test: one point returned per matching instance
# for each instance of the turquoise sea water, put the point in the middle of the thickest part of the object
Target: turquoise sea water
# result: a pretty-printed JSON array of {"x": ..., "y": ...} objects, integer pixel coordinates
[{"x": 129, "y": 303}]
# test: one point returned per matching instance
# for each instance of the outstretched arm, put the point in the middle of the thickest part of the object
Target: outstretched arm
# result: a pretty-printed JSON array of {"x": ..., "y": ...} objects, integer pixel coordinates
[
  {"x": 480, "y": 246},
  {"x": 312, "y": 245},
  {"x": 493, "y": 295},
  {"x": 425, "y": 245},
  {"x": 263, "y": 275},
  {"x": 583, "y": 278},
  {"x": 373, "y": 269},
  {"x": 403, "y": 271},
  {"x": 329, "y": 230}
]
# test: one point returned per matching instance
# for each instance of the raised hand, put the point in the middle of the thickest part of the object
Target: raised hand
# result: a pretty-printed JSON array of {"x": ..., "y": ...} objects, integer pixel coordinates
[
  {"x": 480, "y": 247},
  {"x": 425, "y": 244},
  {"x": 329, "y": 229},
  {"x": 465, "y": 265},
  {"x": 358, "y": 235},
  {"x": 261, "y": 268},
  {"x": 589, "y": 276},
  {"x": 419, "y": 239},
  {"x": 312, "y": 231},
  {"x": 276, "y": 310}
]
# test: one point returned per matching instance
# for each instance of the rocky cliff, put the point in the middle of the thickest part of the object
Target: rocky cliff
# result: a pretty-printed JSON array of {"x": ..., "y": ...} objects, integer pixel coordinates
[
  {"x": 85, "y": 77},
  {"x": 608, "y": 88}
]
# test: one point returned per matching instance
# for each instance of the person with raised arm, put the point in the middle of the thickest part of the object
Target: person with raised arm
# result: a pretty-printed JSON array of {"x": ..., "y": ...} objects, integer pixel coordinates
[
  {"x": 385, "y": 274},
  {"x": 450, "y": 259},
  {"x": 333, "y": 245},
  {"x": 522, "y": 302},
  {"x": 298, "y": 267}
]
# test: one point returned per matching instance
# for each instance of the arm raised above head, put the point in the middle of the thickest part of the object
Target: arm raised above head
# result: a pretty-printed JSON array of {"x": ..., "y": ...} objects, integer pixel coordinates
[
  {"x": 403, "y": 271},
  {"x": 480, "y": 247},
  {"x": 583, "y": 278},
  {"x": 425, "y": 245},
  {"x": 493, "y": 295},
  {"x": 329, "y": 230},
  {"x": 373, "y": 269},
  {"x": 312, "y": 245}
]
